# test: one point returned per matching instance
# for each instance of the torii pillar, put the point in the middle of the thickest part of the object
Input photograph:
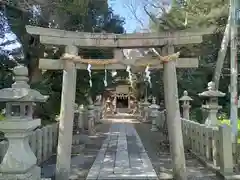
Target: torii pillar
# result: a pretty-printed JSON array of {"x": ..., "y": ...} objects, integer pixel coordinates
[
  {"x": 66, "y": 117},
  {"x": 173, "y": 116}
]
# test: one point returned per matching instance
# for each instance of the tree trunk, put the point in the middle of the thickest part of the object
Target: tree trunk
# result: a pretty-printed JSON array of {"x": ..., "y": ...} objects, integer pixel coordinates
[{"x": 222, "y": 53}]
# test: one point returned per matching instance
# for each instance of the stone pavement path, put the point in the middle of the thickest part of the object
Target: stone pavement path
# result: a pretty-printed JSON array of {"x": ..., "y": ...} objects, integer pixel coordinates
[
  {"x": 151, "y": 149},
  {"x": 122, "y": 156},
  {"x": 80, "y": 163}
]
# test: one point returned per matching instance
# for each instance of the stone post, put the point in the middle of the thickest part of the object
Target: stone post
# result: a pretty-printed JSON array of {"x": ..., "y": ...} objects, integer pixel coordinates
[
  {"x": 108, "y": 107},
  {"x": 129, "y": 101},
  {"x": 212, "y": 106},
  {"x": 145, "y": 105},
  {"x": 185, "y": 105},
  {"x": 140, "y": 105},
  {"x": 90, "y": 118},
  {"x": 77, "y": 146},
  {"x": 81, "y": 118},
  {"x": 226, "y": 156},
  {"x": 75, "y": 120},
  {"x": 154, "y": 114},
  {"x": 85, "y": 118},
  {"x": 19, "y": 161},
  {"x": 115, "y": 103},
  {"x": 97, "y": 106}
]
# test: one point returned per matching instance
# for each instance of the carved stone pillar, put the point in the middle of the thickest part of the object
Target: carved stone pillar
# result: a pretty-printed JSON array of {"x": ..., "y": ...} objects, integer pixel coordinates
[
  {"x": 75, "y": 120},
  {"x": 97, "y": 106},
  {"x": 81, "y": 118},
  {"x": 91, "y": 117},
  {"x": 154, "y": 114}
]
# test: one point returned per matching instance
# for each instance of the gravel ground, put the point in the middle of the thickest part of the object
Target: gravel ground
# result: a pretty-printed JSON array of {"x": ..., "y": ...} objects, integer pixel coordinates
[{"x": 161, "y": 158}]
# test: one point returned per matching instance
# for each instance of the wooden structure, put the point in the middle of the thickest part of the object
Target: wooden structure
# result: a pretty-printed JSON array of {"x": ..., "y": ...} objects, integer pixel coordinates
[
  {"x": 72, "y": 61},
  {"x": 120, "y": 95}
]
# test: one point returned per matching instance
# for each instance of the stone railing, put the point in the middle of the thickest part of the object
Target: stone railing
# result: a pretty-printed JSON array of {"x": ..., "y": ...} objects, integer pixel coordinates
[
  {"x": 209, "y": 142},
  {"x": 212, "y": 145},
  {"x": 43, "y": 143}
]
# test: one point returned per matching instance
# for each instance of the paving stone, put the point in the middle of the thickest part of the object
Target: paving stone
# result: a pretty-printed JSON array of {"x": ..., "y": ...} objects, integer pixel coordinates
[
  {"x": 108, "y": 165},
  {"x": 136, "y": 164},
  {"x": 122, "y": 156},
  {"x": 96, "y": 167}
]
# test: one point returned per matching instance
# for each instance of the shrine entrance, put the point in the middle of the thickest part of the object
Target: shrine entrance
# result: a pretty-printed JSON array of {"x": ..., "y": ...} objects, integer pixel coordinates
[
  {"x": 122, "y": 97},
  {"x": 122, "y": 101}
]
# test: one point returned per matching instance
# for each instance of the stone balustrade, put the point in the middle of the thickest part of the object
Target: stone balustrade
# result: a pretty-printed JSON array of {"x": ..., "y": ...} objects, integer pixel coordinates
[
  {"x": 43, "y": 142},
  {"x": 211, "y": 144}
]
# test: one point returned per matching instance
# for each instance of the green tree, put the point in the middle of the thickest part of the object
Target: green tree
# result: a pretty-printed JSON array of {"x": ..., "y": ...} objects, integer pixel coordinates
[
  {"x": 82, "y": 15},
  {"x": 193, "y": 15}
]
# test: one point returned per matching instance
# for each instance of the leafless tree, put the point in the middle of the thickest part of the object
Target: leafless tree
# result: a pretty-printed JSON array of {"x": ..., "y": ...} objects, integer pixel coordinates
[{"x": 152, "y": 8}]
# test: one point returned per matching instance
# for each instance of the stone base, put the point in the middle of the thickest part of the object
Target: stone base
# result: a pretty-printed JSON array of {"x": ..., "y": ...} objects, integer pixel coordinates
[
  {"x": 154, "y": 129},
  {"x": 91, "y": 132},
  {"x": 77, "y": 149},
  {"x": 33, "y": 174}
]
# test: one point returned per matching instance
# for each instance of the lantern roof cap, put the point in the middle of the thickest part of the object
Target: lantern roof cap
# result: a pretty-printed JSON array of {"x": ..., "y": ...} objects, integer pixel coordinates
[{"x": 20, "y": 90}]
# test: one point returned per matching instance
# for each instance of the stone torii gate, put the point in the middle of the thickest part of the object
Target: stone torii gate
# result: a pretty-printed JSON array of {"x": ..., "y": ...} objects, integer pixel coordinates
[{"x": 71, "y": 61}]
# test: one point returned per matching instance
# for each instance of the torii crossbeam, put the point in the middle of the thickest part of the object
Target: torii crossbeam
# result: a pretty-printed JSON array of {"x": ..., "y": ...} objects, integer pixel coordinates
[
  {"x": 110, "y": 40},
  {"x": 154, "y": 63}
]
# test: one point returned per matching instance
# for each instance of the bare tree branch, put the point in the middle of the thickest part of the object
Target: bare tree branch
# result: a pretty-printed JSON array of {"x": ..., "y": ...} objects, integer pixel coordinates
[{"x": 152, "y": 8}]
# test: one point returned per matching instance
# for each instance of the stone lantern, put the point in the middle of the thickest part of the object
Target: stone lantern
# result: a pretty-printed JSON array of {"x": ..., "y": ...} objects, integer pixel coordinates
[
  {"x": 19, "y": 161},
  {"x": 212, "y": 106},
  {"x": 186, "y": 104},
  {"x": 154, "y": 114}
]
